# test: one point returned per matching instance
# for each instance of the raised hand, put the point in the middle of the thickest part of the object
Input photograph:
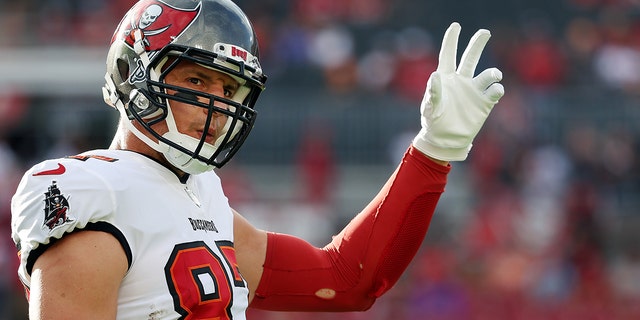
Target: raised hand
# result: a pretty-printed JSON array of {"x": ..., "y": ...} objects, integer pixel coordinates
[{"x": 456, "y": 104}]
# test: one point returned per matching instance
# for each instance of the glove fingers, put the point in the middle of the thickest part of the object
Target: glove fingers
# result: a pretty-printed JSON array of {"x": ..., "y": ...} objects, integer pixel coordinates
[
  {"x": 487, "y": 82},
  {"x": 472, "y": 53},
  {"x": 486, "y": 78},
  {"x": 449, "y": 49},
  {"x": 494, "y": 92}
]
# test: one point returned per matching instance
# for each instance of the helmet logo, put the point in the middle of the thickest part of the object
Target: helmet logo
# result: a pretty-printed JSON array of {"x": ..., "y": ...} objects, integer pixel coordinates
[
  {"x": 149, "y": 16},
  {"x": 159, "y": 22},
  {"x": 237, "y": 52}
]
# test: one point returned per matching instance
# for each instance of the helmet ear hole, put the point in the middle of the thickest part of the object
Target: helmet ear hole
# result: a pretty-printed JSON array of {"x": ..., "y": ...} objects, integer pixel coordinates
[{"x": 123, "y": 69}]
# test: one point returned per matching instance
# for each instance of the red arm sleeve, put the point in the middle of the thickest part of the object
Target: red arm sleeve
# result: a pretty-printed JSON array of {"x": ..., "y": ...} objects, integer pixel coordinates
[{"x": 366, "y": 258}]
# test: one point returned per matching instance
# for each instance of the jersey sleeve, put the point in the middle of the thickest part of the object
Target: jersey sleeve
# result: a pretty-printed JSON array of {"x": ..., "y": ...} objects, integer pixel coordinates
[{"x": 55, "y": 198}]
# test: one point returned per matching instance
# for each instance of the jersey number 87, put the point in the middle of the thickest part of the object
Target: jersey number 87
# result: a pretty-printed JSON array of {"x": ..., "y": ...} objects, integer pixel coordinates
[{"x": 198, "y": 280}]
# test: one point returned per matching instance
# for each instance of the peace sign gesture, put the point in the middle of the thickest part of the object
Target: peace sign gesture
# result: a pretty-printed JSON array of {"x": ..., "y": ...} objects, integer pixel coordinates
[{"x": 456, "y": 103}]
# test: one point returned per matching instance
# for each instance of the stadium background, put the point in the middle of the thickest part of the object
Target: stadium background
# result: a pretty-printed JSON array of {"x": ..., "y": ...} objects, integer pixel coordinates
[{"x": 541, "y": 222}]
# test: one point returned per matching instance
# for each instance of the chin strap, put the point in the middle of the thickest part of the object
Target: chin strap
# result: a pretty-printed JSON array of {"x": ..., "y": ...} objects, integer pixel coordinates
[
  {"x": 364, "y": 260},
  {"x": 112, "y": 98}
]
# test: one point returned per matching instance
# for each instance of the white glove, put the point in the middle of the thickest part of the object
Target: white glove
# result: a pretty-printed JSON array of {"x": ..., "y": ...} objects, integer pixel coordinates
[{"x": 456, "y": 104}]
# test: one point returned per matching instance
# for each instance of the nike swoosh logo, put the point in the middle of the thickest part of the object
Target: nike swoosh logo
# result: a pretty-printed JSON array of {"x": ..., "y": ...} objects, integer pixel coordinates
[{"x": 57, "y": 171}]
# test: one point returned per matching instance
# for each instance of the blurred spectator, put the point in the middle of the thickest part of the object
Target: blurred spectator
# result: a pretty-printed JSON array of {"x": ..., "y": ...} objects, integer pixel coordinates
[
  {"x": 331, "y": 48},
  {"x": 583, "y": 38},
  {"x": 376, "y": 68},
  {"x": 436, "y": 293},
  {"x": 316, "y": 165},
  {"x": 537, "y": 60},
  {"x": 617, "y": 61},
  {"x": 416, "y": 60}
]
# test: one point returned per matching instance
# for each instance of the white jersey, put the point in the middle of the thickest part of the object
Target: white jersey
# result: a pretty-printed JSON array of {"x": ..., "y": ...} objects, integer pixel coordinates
[{"x": 178, "y": 237}]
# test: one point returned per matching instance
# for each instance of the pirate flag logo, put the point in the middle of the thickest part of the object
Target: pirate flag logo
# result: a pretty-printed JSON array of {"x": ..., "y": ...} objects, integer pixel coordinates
[
  {"x": 56, "y": 208},
  {"x": 159, "y": 24}
]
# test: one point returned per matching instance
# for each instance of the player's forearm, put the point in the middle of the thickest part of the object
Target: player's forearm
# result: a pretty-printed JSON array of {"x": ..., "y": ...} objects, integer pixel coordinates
[
  {"x": 387, "y": 234},
  {"x": 366, "y": 258}
]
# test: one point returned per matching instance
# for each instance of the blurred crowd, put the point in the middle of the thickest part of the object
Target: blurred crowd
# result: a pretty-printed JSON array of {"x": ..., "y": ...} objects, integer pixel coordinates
[{"x": 539, "y": 223}]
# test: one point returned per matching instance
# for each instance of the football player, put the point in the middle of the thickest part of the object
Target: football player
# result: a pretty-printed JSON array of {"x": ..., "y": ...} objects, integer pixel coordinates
[{"x": 143, "y": 230}]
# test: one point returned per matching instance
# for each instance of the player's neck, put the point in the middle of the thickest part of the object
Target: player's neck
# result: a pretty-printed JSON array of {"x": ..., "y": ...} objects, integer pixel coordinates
[{"x": 126, "y": 140}]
